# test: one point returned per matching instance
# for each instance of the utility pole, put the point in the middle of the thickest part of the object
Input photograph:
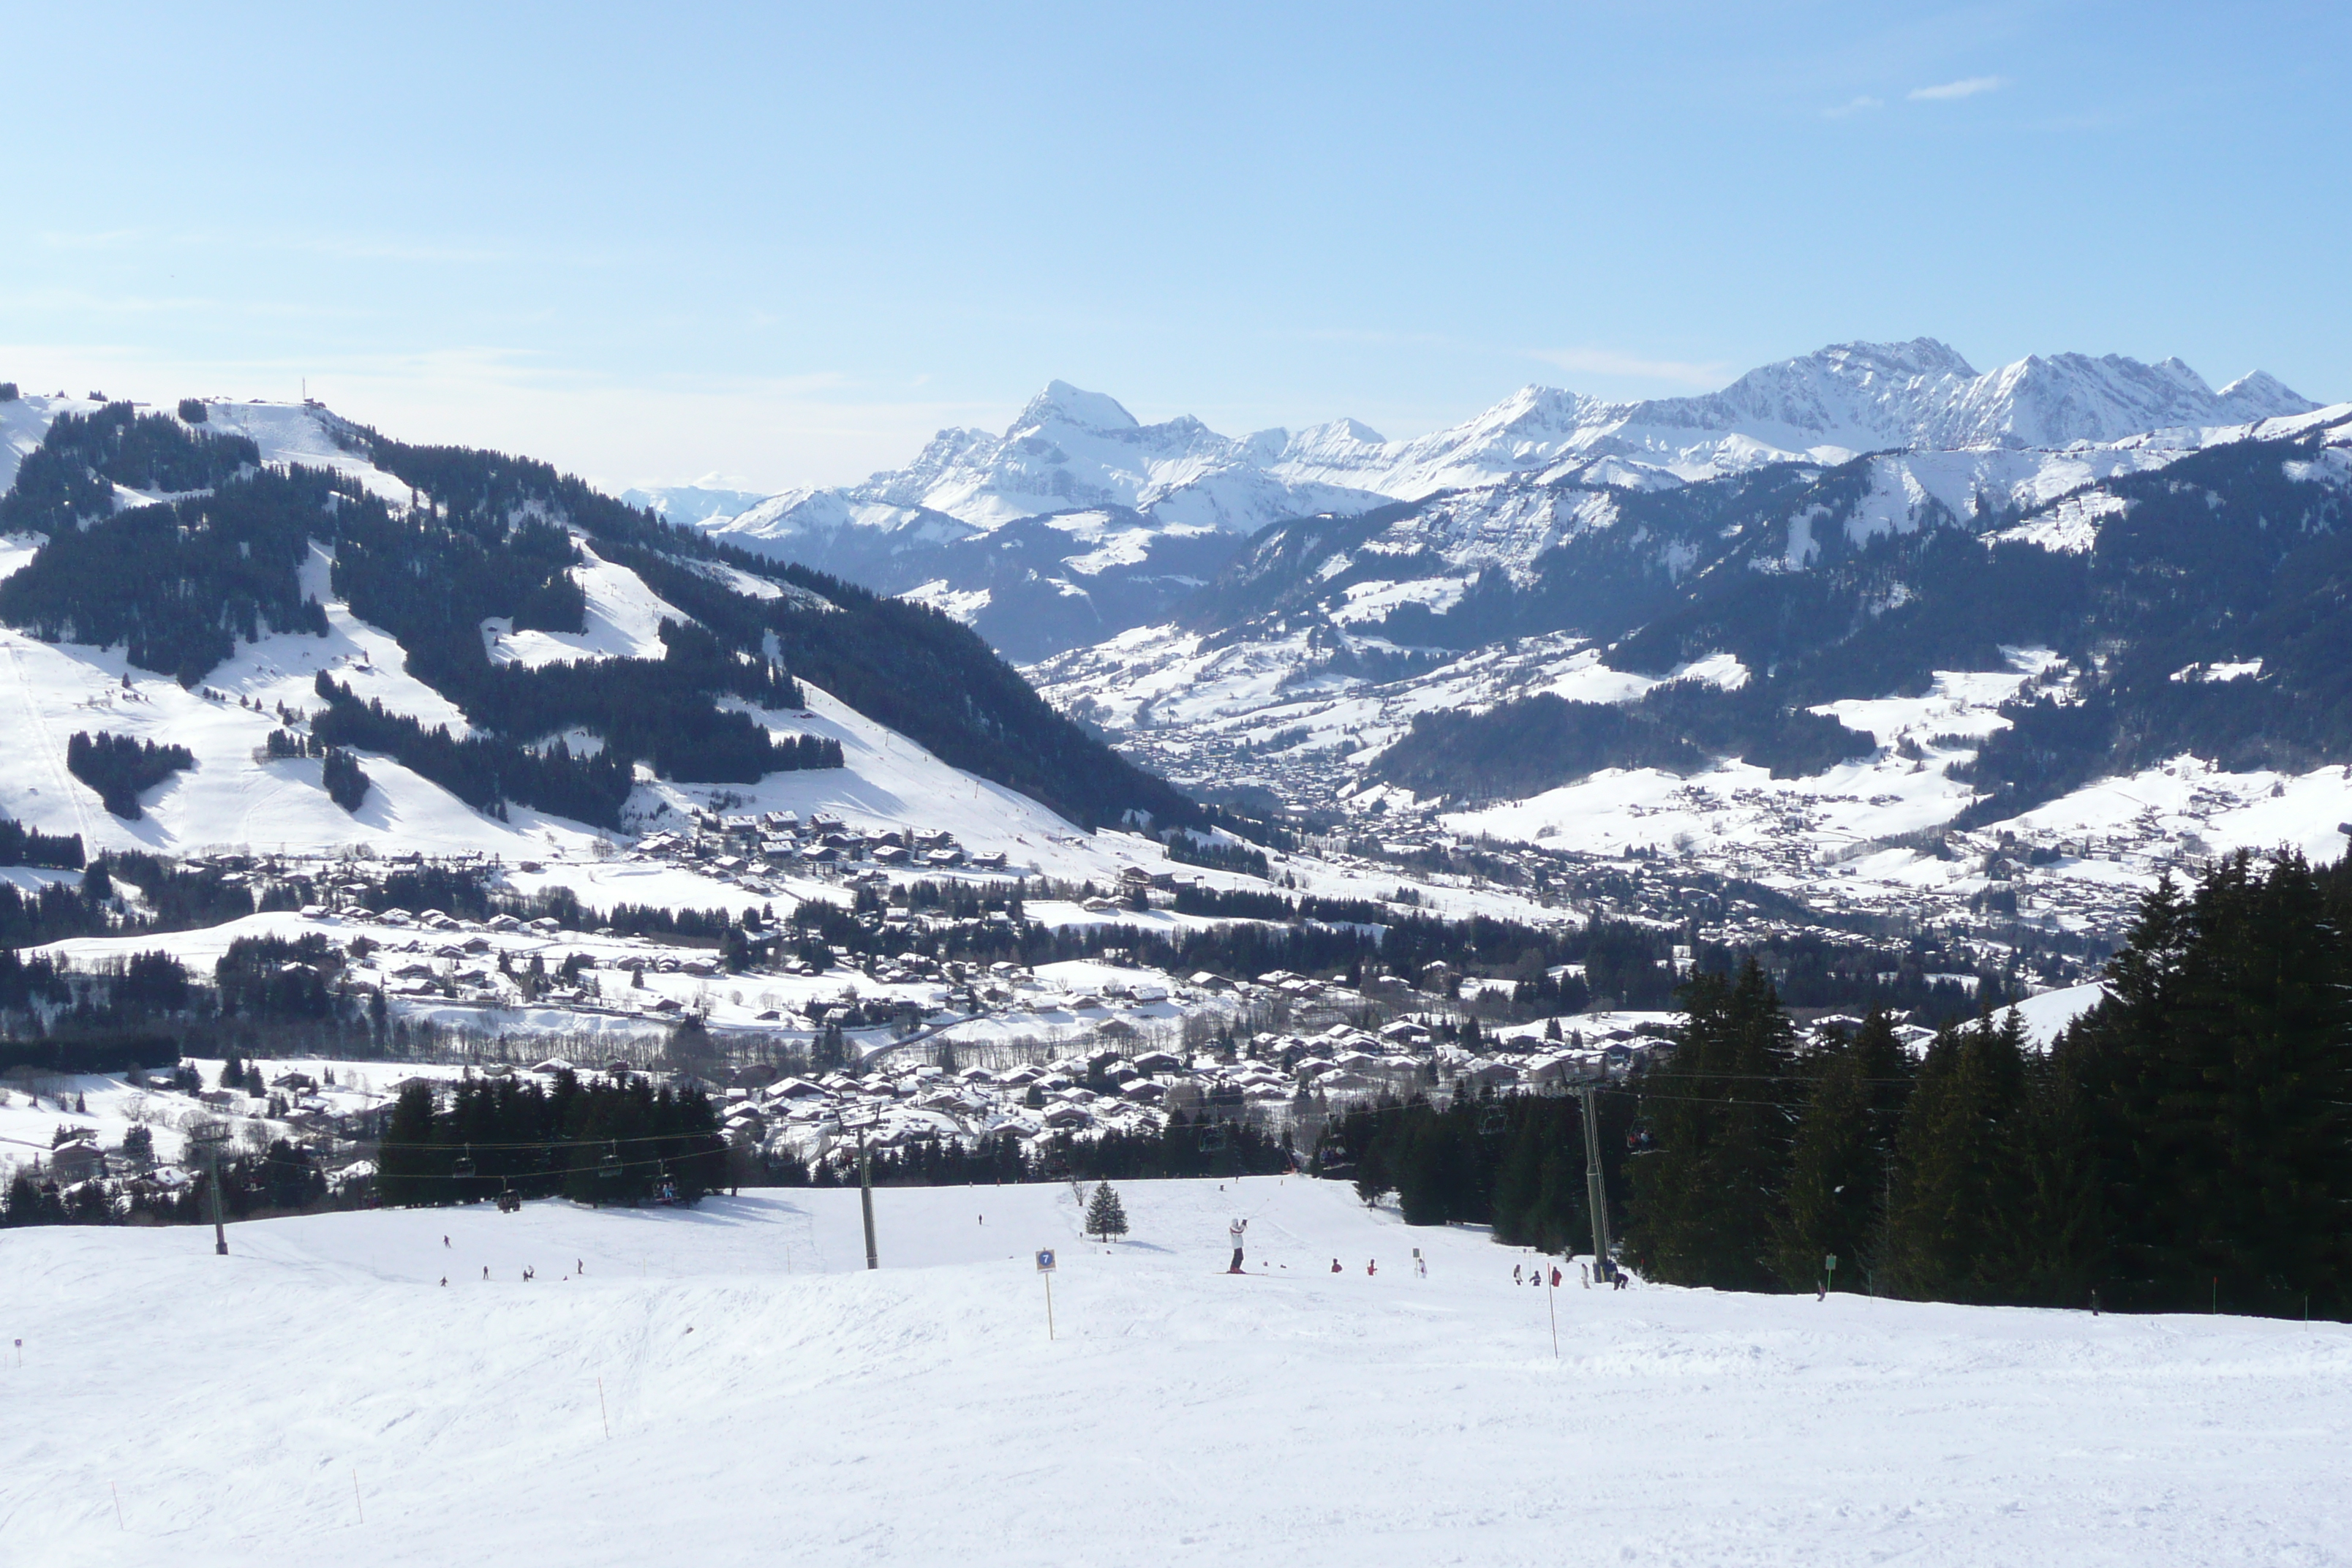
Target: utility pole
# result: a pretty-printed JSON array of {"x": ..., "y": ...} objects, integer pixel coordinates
[{"x": 1596, "y": 1188}]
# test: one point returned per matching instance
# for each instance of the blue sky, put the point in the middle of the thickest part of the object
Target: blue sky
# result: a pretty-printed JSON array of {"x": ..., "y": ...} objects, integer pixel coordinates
[{"x": 783, "y": 245}]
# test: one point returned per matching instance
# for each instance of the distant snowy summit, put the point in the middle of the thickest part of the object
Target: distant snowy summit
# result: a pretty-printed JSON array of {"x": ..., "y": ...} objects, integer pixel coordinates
[
  {"x": 1830, "y": 405},
  {"x": 1071, "y": 449},
  {"x": 1079, "y": 521}
]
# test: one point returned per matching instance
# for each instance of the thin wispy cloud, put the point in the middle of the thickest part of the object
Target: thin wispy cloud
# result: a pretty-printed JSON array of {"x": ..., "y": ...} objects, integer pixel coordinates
[
  {"x": 1854, "y": 106},
  {"x": 1610, "y": 361},
  {"x": 1944, "y": 92}
]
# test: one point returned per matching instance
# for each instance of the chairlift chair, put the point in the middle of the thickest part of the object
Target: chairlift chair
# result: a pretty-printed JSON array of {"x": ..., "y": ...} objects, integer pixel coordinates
[
  {"x": 1213, "y": 1139},
  {"x": 609, "y": 1163},
  {"x": 464, "y": 1164},
  {"x": 1490, "y": 1122}
]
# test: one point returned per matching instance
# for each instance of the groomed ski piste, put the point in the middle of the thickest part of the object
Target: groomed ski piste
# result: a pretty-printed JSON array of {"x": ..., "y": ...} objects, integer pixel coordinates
[{"x": 726, "y": 1384}]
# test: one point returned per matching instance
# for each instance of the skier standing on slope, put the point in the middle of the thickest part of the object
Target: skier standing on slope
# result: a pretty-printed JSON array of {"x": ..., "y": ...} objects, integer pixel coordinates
[{"x": 1235, "y": 1230}]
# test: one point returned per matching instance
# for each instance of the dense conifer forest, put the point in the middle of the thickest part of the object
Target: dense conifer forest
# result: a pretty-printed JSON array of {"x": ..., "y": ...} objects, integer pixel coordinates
[
  {"x": 2187, "y": 1144},
  {"x": 1523, "y": 747}
]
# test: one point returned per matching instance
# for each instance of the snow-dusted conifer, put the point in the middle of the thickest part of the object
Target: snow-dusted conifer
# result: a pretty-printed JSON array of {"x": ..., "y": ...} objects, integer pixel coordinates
[{"x": 1105, "y": 1216}]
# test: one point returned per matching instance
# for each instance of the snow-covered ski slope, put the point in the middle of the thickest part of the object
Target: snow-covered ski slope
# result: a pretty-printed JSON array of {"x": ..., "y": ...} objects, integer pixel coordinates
[{"x": 318, "y": 1395}]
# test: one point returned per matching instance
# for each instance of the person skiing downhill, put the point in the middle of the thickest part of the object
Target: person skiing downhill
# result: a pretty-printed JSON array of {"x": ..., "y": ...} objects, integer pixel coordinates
[{"x": 1235, "y": 1230}]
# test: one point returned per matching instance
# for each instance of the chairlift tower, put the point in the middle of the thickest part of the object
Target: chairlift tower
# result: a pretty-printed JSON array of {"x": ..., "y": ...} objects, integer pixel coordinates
[
  {"x": 210, "y": 1136},
  {"x": 1596, "y": 1186},
  {"x": 866, "y": 1183}
]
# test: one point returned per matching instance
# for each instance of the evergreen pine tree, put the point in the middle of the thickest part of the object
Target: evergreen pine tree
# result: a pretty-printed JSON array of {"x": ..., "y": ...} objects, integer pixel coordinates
[
  {"x": 1106, "y": 1217},
  {"x": 2059, "y": 1238},
  {"x": 1838, "y": 1165},
  {"x": 404, "y": 1161},
  {"x": 1705, "y": 1205},
  {"x": 1960, "y": 1169},
  {"x": 24, "y": 1203}
]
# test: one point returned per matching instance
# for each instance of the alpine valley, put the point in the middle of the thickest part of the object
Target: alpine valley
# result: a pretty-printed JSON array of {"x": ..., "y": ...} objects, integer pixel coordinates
[
  {"x": 1908, "y": 681},
  {"x": 1869, "y": 626}
]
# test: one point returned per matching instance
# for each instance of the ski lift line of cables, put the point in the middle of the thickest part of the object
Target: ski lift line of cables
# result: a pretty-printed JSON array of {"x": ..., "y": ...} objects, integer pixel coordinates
[
  {"x": 600, "y": 1168},
  {"x": 1759, "y": 1077},
  {"x": 1634, "y": 1094},
  {"x": 538, "y": 1143}
]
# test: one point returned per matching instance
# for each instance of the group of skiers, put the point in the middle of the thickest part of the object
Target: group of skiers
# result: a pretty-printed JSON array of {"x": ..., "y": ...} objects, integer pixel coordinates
[
  {"x": 1611, "y": 1275},
  {"x": 1521, "y": 1274}
]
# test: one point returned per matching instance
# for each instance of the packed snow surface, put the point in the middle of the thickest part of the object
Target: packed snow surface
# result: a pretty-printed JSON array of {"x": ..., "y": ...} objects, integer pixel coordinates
[{"x": 319, "y": 1396}]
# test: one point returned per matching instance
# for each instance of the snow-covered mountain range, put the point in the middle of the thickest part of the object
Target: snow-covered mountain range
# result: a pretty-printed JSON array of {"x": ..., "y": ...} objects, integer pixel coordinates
[
  {"x": 1135, "y": 517},
  {"x": 1825, "y": 406}
]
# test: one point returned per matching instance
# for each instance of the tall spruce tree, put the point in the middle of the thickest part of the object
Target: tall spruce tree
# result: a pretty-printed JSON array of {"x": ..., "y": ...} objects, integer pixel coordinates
[
  {"x": 1839, "y": 1166},
  {"x": 1105, "y": 1216},
  {"x": 404, "y": 1162},
  {"x": 1959, "y": 1158},
  {"x": 2059, "y": 1235},
  {"x": 1705, "y": 1206}
]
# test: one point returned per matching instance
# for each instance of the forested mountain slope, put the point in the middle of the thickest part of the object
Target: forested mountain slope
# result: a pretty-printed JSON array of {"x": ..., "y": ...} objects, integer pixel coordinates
[{"x": 549, "y": 645}]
